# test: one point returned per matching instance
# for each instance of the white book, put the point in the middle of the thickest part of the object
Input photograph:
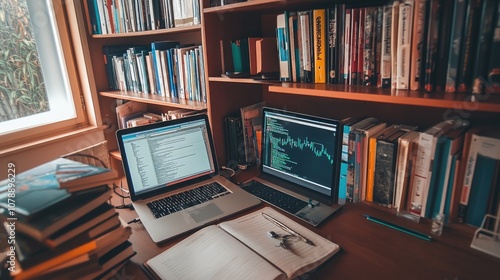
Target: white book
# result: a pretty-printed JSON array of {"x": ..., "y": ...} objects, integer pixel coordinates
[
  {"x": 404, "y": 44},
  {"x": 385, "y": 55},
  {"x": 402, "y": 169},
  {"x": 423, "y": 165}
]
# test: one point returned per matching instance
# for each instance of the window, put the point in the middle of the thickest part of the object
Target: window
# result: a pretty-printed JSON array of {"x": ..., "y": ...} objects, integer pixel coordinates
[{"x": 39, "y": 84}]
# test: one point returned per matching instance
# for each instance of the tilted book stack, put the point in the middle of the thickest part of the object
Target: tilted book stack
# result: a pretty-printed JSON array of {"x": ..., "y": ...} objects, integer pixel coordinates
[{"x": 64, "y": 227}]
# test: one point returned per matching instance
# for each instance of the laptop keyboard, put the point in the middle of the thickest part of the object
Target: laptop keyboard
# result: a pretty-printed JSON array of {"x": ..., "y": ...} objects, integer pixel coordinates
[
  {"x": 277, "y": 198},
  {"x": 168, "y": 205}
]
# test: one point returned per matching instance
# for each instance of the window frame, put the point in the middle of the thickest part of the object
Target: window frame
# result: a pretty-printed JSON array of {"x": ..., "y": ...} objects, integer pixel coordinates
[{"x": 71, "y": 40}]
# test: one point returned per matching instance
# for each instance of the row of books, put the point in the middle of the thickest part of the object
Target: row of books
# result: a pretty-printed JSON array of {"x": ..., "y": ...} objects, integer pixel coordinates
[
  {"x": 163, "y": 68},
  {"x": 133, "y": 113},
  {"x": 431, "y": 45},
  {"x": 449, "y": 168},
  {"x": 123, "y": 16},
  {"x": 243, "y": 133},
  {"x": 62, "y": 224}
]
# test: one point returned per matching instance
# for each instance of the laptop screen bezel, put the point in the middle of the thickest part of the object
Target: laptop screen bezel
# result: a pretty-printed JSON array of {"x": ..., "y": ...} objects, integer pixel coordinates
[
  {"x": 332, "y": 197},
  {"x": 121, "y": 133}
]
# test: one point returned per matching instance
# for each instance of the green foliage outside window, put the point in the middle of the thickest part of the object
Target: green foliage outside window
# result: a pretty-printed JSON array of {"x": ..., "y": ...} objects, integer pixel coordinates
[{"x": 22, "y": 88}]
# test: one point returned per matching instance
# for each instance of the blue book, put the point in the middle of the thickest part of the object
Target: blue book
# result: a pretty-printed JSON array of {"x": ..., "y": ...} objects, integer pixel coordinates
[
  {"x": 449, "y": 188},
  {"x": 171, "y": 73},
  {"x": 156, "y": 47},
  {"x": 437, "y": 169},
  {"x": 482, "y": 184},
  {"x": 451, "y": 146},
  {"x": 346, "y": 129},
  {"x": 283, "y": 47}
]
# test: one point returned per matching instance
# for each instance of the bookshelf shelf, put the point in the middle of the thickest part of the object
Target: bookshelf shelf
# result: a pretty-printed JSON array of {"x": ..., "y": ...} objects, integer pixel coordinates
[
  {"x": 116, "y": 155},
  {"x": 469, "y": 102},
  {"x": 241, "y": 80},
  {"x": 155, "y": 99},
  {"x": 194, "y": 28},
  {"x": 245, "y": 6}
]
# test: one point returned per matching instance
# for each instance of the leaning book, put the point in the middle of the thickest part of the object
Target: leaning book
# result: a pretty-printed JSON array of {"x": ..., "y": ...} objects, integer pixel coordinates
[{"x": 249, "y": 247}]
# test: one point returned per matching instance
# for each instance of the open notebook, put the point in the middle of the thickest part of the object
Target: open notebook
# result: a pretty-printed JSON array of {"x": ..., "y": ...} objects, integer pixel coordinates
[{"x": 243, "y": 249}]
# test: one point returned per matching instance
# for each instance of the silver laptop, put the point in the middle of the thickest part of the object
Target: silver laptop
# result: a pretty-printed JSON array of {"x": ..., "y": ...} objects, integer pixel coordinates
[
  {"x": 170, "y": 167},
  {"x": 300, "y": 157}
]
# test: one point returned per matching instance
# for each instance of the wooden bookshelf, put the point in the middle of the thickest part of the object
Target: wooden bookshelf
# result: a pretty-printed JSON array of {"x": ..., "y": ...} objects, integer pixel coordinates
[
  {"x": 155, "y": 99},
  {"x": 481, "y": 103},
  {"x": 226, "y": 96}
]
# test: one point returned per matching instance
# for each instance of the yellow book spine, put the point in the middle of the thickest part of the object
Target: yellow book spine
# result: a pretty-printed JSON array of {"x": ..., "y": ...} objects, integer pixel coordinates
[
  {"x": 319, "y": 34},
  {"x": 372, "y": 147}
]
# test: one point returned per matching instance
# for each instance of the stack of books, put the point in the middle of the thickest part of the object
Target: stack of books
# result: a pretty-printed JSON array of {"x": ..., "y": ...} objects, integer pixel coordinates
[{"x": 59, "y": 222}]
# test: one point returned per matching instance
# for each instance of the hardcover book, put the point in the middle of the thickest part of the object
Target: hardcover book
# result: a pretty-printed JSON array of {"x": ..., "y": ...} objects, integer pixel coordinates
[
  {"x": 385, "y": 167},
  {"x": 282, "y": 38},
  {"x": 385, "y": 56},
  {"x": 484, "y": 143},
  {"x": 418, "y": 44},
  {"x": 421, "y": 177},
  {"x": 483, "y": 47},
  {"x": 457, "y": 32},
  {"x": 319, "y": 32},
  {"x": 60, "y": 214},
  {"x": 241, "y": 249}
]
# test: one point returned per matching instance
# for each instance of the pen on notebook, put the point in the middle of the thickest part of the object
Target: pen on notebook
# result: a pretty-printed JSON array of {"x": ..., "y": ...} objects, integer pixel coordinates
[
  {"x": 399, "y": 228},
  {"x": 286, "y": 228}
]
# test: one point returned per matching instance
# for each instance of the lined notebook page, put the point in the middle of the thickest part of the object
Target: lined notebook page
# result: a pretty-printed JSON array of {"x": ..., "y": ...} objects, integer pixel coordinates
[
  {"x": 298, "y": 259},
  {"x": 211, "y": 253}
]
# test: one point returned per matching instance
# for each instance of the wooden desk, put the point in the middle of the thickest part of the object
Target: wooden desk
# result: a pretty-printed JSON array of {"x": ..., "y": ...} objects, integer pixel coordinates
[{"x": 368, "y": 250}]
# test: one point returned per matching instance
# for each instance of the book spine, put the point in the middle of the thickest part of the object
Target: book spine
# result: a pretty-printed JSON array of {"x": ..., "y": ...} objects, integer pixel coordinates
[
  {"x": 377, "y": 78},
  {"x": 319, "y": 34},
  {"x": 347, "y": 46},
  {"x": 464, "y": 78},
  {"x": 283, "y": 51},
  {"x": 305, "y": 41},
  {"x": 340, "y": 42},
  {"x": 369, "y": 46},
  {"x": 360, "y": 46},
  {"x": 493, "y": 80},
  {"x": 483, "y": 48},
  {"x": 353, "y": 69},
  {"x": 418, "y": 44},
  {"x": 344, "y": 161},
  {"x": 294, "y": 49},
  {"x": 394, "y": 43},
  {"x": 468, "y": 176},
  {"x": 332, "y": 45},
  {"x": 372, "y": 148},
  {"x": 454, "y": 47},
  {"x": 400, "y": 171},
  {"x": 404, "y": 44},
  {"x": 384, "y": 173},
  {"x": 431, "y": 44},
  {"x": 482, "y": 185},
  {"x": 385, "y": 56},
  {"x": 351, "y": 156},
  {"x": 444, "y": 37}
]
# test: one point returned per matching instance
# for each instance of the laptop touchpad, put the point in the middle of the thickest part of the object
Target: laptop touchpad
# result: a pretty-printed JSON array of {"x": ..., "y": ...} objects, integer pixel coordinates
[{"x": 204, "y": 213}]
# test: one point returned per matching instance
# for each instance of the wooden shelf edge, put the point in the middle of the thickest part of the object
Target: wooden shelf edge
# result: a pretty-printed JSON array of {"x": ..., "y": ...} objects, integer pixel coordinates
[
  {"x": 155, "y": 99},
  {"x": 149, "y": 32},
  {"x": 115, "y": 154},
  {"x": 241, "y": 80},
  {"x": 455, "y": 101},
  {"x": 242, "y": 6}
]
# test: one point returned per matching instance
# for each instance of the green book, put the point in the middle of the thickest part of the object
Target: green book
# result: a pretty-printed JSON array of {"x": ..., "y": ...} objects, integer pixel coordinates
[{"x": 241, "y": 58}]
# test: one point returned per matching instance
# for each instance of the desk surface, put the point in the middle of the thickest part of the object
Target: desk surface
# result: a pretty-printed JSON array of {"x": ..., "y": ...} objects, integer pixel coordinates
[{"x": 368, "y": 250}]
